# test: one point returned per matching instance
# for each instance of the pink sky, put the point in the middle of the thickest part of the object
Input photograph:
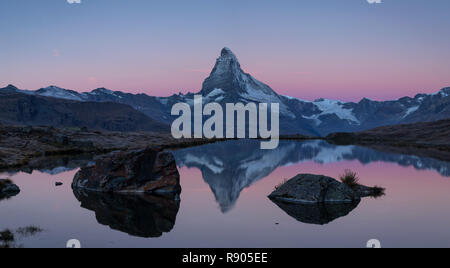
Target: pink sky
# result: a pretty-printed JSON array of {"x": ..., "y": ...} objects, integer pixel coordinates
[
  {"x": 336, "y": 79},
  {"x": 306, "y": 49}
]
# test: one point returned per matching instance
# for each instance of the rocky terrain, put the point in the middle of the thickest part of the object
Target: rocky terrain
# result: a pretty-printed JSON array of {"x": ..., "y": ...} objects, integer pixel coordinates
[
  {"x": 27, "y": 148},
  {"x": 313, "y": 189},
  {"x": 36, "y": 110},
  {"x": 149, "y": 171},
  {"x": 430, "y": 139}
]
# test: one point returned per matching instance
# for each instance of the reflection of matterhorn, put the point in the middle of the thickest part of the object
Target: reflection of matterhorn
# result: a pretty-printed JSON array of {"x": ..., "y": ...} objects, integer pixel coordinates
[{"x": 229, "y": 167}]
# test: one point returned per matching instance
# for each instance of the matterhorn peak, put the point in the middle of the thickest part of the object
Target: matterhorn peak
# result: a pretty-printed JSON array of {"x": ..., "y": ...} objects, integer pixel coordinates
[
  {"x": 236, "y": 85},
  {"x": 227, "y": 53},
  {"x": 227, "y": 62}
]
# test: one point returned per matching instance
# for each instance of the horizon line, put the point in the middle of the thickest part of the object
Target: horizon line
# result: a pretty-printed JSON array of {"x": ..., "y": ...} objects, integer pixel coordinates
[{"x": 189, "y": 92}]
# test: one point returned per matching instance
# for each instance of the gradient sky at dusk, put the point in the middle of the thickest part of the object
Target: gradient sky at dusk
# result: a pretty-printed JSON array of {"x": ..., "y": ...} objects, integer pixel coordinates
[{"x": 304, "y": 48}]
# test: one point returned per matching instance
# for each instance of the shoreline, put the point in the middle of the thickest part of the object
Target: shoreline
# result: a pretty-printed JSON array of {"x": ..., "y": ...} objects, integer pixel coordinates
[{"x": 33, "y": 147}]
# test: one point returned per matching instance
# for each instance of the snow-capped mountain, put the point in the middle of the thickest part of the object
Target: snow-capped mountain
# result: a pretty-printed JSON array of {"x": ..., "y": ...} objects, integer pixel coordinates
[
  {"x": 60, "y": 93},
  {"x": 58, "y": 107},
  {"x": 228, "y": 83}
]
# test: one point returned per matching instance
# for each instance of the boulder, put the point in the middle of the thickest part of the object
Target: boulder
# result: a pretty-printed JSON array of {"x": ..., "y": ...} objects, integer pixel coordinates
[
  {"x": 151, "y": 170},
  {"x": 8, "y": 189},
  {"x": 313, "y": 189}
]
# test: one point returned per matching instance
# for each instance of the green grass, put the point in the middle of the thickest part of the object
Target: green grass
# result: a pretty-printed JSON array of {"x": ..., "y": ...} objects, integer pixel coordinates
[{"x": 349, "y": 178}]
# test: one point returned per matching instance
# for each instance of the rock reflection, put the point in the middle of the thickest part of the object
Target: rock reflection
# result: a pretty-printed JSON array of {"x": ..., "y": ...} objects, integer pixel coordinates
[
  {"x": 319, "y": 214},
  {"x": 137, "y": 215},
  {"x": 9, "y": 238}
]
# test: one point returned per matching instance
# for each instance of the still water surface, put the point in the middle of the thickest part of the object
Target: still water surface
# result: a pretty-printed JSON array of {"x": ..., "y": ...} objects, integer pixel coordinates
[{"x": 224, "y": 202}]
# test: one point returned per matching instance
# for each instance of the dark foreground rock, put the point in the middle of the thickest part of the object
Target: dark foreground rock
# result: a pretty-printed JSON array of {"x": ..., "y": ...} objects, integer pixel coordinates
[
  {"x": 309, "y": 188},
  {"x": 8, "y": 189},
  {"x": 317, "y": 199},
  {"x": 151, "y": 171},
  {"x": 137, "y": 215},
  {"x": 320, "y": 213}
]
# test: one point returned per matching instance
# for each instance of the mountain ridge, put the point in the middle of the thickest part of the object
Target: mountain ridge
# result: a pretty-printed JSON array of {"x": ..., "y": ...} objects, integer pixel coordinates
[
  {"x": 34, "y": 110},
  {"x": 228, "y": 83}
]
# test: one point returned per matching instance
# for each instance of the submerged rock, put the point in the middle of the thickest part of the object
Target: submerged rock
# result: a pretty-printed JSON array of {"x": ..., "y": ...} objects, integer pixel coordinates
[
  {"x": 143, "y": 171},
  {"x": 309, "y": 188},
  {"x": 8, "y": 189},
  {"x": 320, "y": 213},
  {"x": 137, "y": 215}
]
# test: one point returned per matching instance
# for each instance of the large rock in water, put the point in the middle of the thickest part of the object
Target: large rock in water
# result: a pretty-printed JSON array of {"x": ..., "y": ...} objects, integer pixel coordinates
[
  {"x": 308, "y": 188},
  {"x": 145, "y": 171}
]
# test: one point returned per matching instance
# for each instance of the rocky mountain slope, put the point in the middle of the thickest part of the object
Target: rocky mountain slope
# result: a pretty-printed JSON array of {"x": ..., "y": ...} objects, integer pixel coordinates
[
  {"x": 427, "y": 134},
  {"x": 52, "y": 149},
  {"x": 24, "y": 109},
  {"x": 430, "y": 139}
]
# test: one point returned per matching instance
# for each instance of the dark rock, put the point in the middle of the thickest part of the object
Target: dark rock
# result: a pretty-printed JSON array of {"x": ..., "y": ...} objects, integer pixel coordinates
[
  {"x": 8, "y": 189},
  {"x": 138, "y": 215},
  {"x": 317, "y": 199},
  {"x": 63, "y": 140},
  {"x": 320, "y": 213},
  {"x": 143, "y": 171},
  {"x": 308, "y": 188}
]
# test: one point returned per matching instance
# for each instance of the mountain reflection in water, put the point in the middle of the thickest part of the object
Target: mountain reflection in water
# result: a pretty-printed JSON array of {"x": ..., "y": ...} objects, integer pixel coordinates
[{"x": 229, "y": 167}]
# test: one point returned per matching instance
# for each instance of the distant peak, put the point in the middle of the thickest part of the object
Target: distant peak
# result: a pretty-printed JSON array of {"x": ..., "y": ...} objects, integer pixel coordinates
[
  {"x": 52, "y": 87},
  {"x": 103, "y": 90},
  {"x": 226, "y": 53},
  {"x": 11, "y": 87}
]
